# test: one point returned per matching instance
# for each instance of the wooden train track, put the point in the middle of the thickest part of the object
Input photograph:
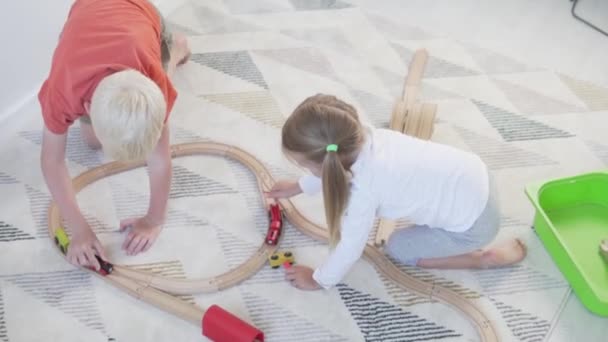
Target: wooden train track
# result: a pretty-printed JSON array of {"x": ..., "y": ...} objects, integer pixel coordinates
[{"x": 157, "y": 290}]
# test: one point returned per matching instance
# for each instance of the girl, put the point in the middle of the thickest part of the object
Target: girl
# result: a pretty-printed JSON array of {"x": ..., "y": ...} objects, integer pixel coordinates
[{"x": 365, "y": 172}]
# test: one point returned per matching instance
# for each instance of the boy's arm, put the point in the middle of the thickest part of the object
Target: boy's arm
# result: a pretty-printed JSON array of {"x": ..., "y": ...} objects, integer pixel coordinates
[
  {"x": 160, "y": 168},
  {"x": 145, "y": 230},
  {"x": 84, "y": 244},
  {"x": 57, "y": 178}
]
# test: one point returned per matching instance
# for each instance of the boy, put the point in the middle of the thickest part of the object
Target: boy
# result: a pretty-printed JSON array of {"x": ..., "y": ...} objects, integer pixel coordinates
[{"x": 111, "y": 71}]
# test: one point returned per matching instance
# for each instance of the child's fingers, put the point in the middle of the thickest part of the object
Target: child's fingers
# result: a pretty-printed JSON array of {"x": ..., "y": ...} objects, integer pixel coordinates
[
  {"x": 133, "y": 245},
  {"x": 139, "y": 245},
  {"x": 82, "y": 260},
  {"x": 128, "y": 240},
  {"x": 290, "y": 277},
  {"x": 147, "y": 245},
  {"x": 99, "y": 249},
  {"x": 92, "y": 260}
]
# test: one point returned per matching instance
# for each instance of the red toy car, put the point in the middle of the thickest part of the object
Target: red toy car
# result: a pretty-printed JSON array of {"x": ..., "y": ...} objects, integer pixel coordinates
[{"x": 275, "y": 216}]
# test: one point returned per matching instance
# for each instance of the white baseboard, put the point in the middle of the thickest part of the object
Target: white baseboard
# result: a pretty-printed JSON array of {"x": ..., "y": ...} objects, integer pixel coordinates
[
  {"x": 19, "y": 104},
  {"x": 164, "y": 6}
]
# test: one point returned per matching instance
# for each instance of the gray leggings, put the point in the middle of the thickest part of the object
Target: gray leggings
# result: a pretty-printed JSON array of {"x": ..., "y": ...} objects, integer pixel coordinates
[{"x": 421, "y": 242}]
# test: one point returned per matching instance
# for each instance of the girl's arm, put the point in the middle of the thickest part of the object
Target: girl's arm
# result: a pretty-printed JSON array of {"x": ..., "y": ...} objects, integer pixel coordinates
[{"x": 357, "y": 223}]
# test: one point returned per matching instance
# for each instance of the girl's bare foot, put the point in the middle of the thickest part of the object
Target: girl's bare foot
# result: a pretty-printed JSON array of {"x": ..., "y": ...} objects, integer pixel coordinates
[{"x": 504, "y": 254}]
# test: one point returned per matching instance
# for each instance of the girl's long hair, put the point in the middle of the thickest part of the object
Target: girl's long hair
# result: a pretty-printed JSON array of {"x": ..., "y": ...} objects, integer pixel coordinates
[{"x": 319, "y": 121}]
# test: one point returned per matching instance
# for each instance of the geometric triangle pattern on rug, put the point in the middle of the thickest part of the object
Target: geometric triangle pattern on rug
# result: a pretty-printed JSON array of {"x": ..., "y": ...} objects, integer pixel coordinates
[
  {"x": 215, "y": 22},
  {"x": 513, "y": 127},
  {"x": 378, "y": 110},
  {"x": 391, "y": 80},
  {"x": 532, "y": 102},
  {"x": 97, "y": 225},
  {"x": 495, "y": 63},
  {"x": 248, "y": 187},
  {"x": 329, "y": 38},
  {"x": 68, "y": 291},
  {"x": 186, "y": 183},
  {"x": 382, "y": 321},
  {"x": 182, "y": 29},
  {"x": 181, "y": 135},
  {"x": 594, "y": 96},
  {"x": 515, "y": 279},
  {"x": 281, "y": 324},
  {"x": 38, "y": 206},
  {"x": 435, "y": 67},
  {"x": 9, "y": 233},
  {"x": 234, "y": 63},
  {"x": 305, "y": 58},
  {"x": 6, "y": 179},
  {"x": 256, "y": 7},
  {"x": 394, "y": 29},
  {"x": 129, "y": 203},
  {"x": 307, "y": 5},
  {"x": 3, "y": 331},
  {"x": 600, "y": 150},
  {"x": 77, "y": 150},
  {"x": 524, "y": 326},
  {"x": 236, "y": 250},
  {"x": 499, "y": 155},
  {"x": 258, "y": 105}
]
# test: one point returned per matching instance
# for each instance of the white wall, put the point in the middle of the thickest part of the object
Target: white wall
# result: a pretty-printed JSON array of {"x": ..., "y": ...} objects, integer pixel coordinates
[
  {"x": 30, "y": 29},
  {"x": 29, "y": 34}
]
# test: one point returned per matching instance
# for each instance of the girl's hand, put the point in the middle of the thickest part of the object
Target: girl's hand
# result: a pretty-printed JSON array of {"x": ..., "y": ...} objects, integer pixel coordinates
[
  {"x": 284, "y": 189},
  {"x": 301, "y": 278}
]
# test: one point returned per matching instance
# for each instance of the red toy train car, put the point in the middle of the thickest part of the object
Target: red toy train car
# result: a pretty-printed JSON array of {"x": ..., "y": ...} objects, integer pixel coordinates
[{"x": 275, "y": 216}]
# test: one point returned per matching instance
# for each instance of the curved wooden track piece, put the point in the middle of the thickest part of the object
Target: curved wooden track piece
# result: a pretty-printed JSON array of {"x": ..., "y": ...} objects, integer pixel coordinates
[
  {"x": 427, "y": 120},
  {"x": 413, "y": 81},
  {"x": 144, "y": 286},
  {"x": 398, "y": 116}
]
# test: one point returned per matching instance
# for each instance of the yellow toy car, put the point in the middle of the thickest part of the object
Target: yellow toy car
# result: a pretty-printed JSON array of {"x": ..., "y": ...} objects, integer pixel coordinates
[{"x": 279, "y": 258}]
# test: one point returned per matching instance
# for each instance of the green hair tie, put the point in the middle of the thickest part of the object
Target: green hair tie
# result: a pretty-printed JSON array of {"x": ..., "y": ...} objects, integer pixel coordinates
[{"x": 332, "y": 148}]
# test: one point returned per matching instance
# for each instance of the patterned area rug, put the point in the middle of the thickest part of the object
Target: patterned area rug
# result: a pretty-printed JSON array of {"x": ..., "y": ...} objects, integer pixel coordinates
[{"x": 252, "y": 63}]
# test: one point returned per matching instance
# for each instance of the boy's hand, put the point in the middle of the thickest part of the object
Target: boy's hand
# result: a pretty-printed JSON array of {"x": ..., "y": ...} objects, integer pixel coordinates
[
  {"x": 301, "y": 278},
  {"x": 142, "y": 236},
  {"x": 83, "y": 248},
  {"x": 284, "y": 189}
]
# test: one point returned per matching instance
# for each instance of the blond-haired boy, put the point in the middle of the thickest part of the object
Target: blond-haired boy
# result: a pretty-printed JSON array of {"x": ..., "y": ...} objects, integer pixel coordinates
[{"x": 111, "y": 72}]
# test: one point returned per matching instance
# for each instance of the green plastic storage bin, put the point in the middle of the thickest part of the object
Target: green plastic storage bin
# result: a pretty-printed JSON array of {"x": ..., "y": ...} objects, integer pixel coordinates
[{"x": 571, "y": 221}]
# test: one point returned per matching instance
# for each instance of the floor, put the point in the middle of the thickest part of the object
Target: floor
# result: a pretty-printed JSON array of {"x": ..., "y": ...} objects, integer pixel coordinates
[{"x": 521, "y": 84}]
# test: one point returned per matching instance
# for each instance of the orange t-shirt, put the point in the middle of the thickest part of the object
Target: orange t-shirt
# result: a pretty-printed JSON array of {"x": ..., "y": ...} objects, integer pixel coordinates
[{"x": 98, "y": 39}]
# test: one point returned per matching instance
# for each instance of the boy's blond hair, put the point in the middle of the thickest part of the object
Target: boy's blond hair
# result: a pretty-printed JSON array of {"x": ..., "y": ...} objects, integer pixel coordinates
[{"x": 127, "y": 113}]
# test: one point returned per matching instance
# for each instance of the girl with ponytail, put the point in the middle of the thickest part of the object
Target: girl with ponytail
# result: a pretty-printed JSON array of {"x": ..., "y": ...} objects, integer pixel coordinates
[{"x": 365, "y": 172}]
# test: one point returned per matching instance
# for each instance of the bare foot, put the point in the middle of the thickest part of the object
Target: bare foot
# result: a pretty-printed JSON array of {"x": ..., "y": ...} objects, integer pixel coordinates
[
  {"x": 180, "y": 48},
  {"x": 504, "y": 254}
]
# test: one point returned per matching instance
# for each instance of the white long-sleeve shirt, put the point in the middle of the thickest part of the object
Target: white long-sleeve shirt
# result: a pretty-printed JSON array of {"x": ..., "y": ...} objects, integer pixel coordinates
[{"x": 398, "y": 176}]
